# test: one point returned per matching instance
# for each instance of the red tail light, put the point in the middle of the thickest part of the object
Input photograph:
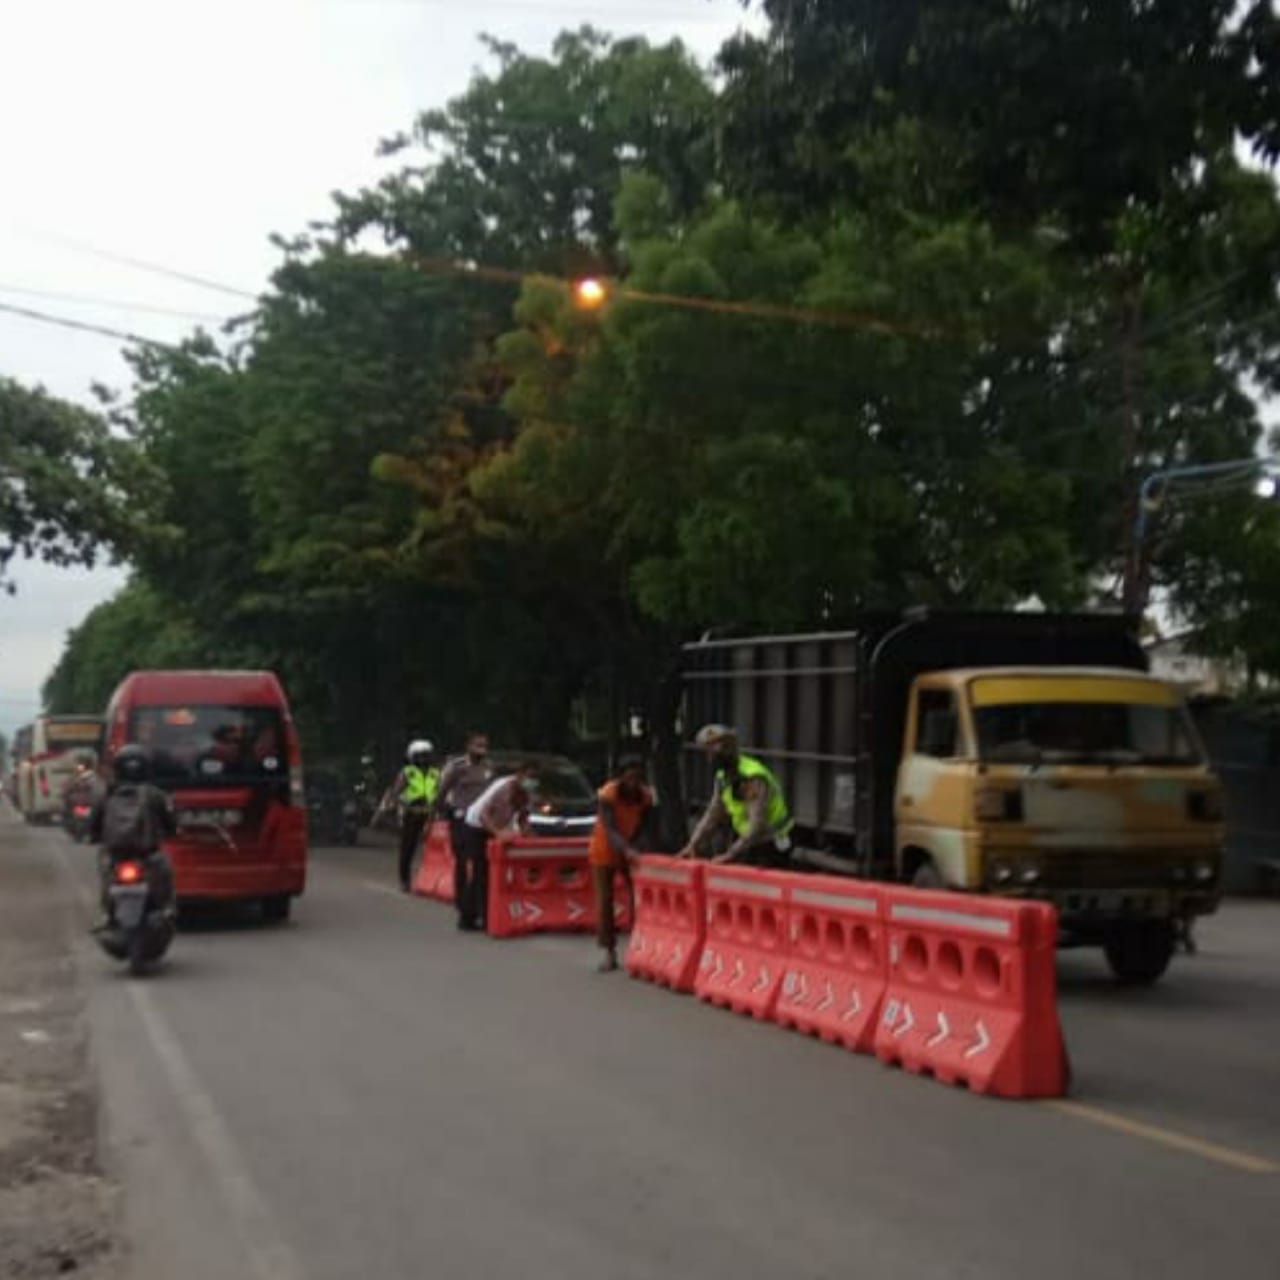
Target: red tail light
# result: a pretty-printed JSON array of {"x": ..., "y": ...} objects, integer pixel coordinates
[
  {"x": 129, "y": 872},
  {"x": 81, "y": 810}
]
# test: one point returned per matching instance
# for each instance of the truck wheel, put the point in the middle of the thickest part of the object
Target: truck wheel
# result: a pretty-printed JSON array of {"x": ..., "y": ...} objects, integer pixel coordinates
[
  {"x": 1140, "y": 952},
  {"x": 276, "y": 910},
  {"x": 927, "y": 876}
]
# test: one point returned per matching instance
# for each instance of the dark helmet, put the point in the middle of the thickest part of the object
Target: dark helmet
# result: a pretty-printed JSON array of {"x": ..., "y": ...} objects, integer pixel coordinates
[{"x": 132, "y": 764}]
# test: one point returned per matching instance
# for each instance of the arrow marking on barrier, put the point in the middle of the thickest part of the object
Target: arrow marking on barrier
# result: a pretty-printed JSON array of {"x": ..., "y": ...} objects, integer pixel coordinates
[
  {"x": 855, "y": 1006},
  {"x": 828, "y": 998},
  {"x": 576, "y": 910},
  {"x": 908, "y": 1021},
  {"x": 944, "y": 1030},
  {"x": 891, "y": 1013},
  {"x": 983, "y": 1042},
  {"x": 788, "y": 984},
  {"x": 762, "y": 982},
  {"x": 739, "y": 972},
  {"x": 533, "y": 911}
]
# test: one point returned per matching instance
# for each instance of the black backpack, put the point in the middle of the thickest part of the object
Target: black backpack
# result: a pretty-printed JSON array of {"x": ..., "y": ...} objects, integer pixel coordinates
[{"x": 129, "y": 821}]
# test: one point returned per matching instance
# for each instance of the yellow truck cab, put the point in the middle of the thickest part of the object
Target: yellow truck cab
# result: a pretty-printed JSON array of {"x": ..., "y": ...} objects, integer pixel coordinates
[
  {"x": 1087, "y": 787},
  {"x": 1022, "y": 754}
]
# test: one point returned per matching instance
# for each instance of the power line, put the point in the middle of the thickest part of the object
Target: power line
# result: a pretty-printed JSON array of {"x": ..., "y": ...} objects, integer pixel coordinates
[
  {"x": 141, "y": 264},
  {"x": 83, "y": 326},
  {"x": 116, "y": 304}
]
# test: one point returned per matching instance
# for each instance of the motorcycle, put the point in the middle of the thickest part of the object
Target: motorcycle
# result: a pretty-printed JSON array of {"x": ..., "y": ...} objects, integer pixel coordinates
[
  {"x": 76, "y": 821},
  {"x": 141, "y": 909}
]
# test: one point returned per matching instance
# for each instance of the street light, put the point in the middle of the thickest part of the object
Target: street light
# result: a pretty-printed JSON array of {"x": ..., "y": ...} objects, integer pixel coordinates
[
  {"x": 590, "y": 294},
  {"x": 1265, "y": 473}
]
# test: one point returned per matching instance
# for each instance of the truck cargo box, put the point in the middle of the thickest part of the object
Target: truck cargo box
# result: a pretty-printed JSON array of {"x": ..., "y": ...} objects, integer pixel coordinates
[{"x": 826, "y": 711}]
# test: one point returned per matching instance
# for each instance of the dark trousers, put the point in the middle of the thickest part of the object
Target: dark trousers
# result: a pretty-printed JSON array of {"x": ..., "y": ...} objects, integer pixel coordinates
[
  {"x": 602, "y": 880},
  {"x": 471, "y": 885},
  {"x": 411, "y": 824}
]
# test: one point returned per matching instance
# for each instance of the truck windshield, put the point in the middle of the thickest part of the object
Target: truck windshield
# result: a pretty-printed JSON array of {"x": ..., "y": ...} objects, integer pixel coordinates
[
  {"x": 1085, "y": 732},
  {"x": 70, "y": 735},
  {"x": 212, "y": 746}
]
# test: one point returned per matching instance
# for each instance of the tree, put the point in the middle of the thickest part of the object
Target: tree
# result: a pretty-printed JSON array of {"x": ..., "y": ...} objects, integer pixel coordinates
[
  {"x": 136, "y": 629},
  {"x": 68, "y": 486}
]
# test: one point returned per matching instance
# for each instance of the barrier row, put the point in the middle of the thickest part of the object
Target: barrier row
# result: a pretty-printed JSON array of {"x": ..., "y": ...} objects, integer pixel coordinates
[
  {"x": 958, "y": 986},
  {"x": 535, "y": 885},
  {"x": 961, "y": 987}
]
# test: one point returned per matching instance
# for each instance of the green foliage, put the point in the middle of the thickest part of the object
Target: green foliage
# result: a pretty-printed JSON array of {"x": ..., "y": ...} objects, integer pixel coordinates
[
  {"x": 68, "y": 486},
  {"x": 136, "y": 629},
  {"x": 901, "y": 309}
]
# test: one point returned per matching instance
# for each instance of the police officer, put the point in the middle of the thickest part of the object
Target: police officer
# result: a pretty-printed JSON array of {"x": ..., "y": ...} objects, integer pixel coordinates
[
  {"x": 415, "y": 790},
  {"x": 747, "y": 800}
]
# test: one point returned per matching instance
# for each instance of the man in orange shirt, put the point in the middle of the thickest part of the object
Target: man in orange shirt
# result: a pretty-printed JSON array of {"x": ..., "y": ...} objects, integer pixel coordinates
[{"x": 624, "y": 804}]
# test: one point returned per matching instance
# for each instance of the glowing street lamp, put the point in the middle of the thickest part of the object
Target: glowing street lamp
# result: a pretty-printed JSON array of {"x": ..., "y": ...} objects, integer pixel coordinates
[{"x": 590, "y": 293}]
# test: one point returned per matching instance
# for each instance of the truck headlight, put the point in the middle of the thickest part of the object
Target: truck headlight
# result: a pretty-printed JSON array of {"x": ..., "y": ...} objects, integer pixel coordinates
[
  {"x": 1029, "y": 874},
  {"x": 1001, "y": 872},
  {"x": 1205, "y": 871}
]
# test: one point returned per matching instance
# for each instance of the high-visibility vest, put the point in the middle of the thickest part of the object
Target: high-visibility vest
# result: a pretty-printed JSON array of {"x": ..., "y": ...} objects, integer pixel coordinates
[
  {"x": 421, "y": 786},
  {"x": 777, "y": 813}
]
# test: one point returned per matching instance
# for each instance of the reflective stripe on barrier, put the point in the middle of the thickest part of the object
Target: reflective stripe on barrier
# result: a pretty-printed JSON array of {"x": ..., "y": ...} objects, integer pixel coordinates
[
  {"x": 670, "y": 924},
  {"x": 434, "y": 878},
  {"x": 743, "y": 955},
  {"x": 835, "y": 974},
  {"x": 972, "y": 992},
  {"x": 539, "y": 885}
]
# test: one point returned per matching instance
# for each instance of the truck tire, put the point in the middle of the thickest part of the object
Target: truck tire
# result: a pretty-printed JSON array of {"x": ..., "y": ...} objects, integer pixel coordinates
[
  {"x": 928, "y": 876},
  {"x": 1139, "y": 953}
]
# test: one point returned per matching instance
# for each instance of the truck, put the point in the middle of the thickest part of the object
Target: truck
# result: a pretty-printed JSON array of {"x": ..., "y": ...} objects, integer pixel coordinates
[
  {"x": 52, "y": 746},
  {"x": 1026, "y": 755}
]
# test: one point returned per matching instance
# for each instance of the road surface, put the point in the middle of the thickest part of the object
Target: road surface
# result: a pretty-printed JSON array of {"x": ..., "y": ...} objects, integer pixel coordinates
[{"x": 368, "y": 1092}]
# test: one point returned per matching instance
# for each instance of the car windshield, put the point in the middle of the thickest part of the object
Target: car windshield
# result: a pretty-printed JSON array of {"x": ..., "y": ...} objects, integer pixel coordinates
[
  {"x": 211, "y": 745},
  {"x": 560, "y": 782},
  {"x": 1085, "y": 732}
]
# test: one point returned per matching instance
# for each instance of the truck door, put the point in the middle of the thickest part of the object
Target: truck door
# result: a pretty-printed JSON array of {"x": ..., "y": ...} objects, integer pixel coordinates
[{"x": 932, "y": 800}]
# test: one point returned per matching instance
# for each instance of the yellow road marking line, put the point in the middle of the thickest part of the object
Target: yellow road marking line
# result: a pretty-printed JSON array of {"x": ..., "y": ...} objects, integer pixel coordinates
[{"x": 1219, "y": 1154}]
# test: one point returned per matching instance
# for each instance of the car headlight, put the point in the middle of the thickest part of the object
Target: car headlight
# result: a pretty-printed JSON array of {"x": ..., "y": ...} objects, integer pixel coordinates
[
  {"x": 1205, "y": 871},
  {"x": 1002, "y": 873},
  {"x": 1029, "y": 874}
]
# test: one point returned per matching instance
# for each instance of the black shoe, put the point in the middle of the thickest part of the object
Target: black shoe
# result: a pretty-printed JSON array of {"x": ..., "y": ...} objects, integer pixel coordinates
[{"x": 466, "y": 926}]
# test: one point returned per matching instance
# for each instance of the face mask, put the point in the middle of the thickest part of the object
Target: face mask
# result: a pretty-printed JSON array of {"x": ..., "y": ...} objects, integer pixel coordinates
[{"x": 478, "y": 756}]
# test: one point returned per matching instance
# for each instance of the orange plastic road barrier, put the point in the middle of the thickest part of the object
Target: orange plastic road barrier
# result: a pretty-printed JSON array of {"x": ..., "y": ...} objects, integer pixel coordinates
[
  {"x": 435, "y": 868},
  {"x": 670, "y": 923},
  {"x": 539, "y": 886},
  {"x": 743, "y": 956},
  {"x": 835, "y": 974},
  {"x": 972, "y": 992}
]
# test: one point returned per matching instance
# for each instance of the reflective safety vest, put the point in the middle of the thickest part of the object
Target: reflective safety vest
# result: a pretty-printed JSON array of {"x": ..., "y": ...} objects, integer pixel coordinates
[
  {"x": 421, "y": 786},
  {"x": 777, "y": 813}
]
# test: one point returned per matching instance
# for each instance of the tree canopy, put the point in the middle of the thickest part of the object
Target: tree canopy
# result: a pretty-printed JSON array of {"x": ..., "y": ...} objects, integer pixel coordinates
[{"x": 898, "y": 308}]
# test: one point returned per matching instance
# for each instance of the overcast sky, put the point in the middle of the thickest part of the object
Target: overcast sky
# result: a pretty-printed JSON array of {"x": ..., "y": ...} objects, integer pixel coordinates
[{"x": 184, "y": 133}]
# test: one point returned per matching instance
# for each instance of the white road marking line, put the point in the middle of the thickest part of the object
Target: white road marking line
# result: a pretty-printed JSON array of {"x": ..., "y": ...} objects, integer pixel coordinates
[{"x": 267, "y": 1251}]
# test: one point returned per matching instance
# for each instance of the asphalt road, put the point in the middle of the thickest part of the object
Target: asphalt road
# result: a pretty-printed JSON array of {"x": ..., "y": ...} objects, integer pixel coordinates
[{"x": 368, "y": 1092}]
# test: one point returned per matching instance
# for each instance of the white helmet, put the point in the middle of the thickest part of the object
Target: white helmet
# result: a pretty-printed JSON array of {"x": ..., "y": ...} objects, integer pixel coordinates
[{"x": 419, "y": 747}]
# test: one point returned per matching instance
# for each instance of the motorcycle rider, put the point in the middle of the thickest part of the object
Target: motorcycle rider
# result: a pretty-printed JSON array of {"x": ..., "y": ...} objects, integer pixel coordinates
[{"x": 131, "y": 821}]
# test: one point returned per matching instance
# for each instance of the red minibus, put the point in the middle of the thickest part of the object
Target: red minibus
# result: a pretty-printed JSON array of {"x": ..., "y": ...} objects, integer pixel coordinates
[{"x": 223, "y": 744}]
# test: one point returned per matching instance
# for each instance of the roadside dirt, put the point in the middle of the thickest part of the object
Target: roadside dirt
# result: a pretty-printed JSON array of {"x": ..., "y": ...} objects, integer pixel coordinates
[{"x": 59, "y": 1214}]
